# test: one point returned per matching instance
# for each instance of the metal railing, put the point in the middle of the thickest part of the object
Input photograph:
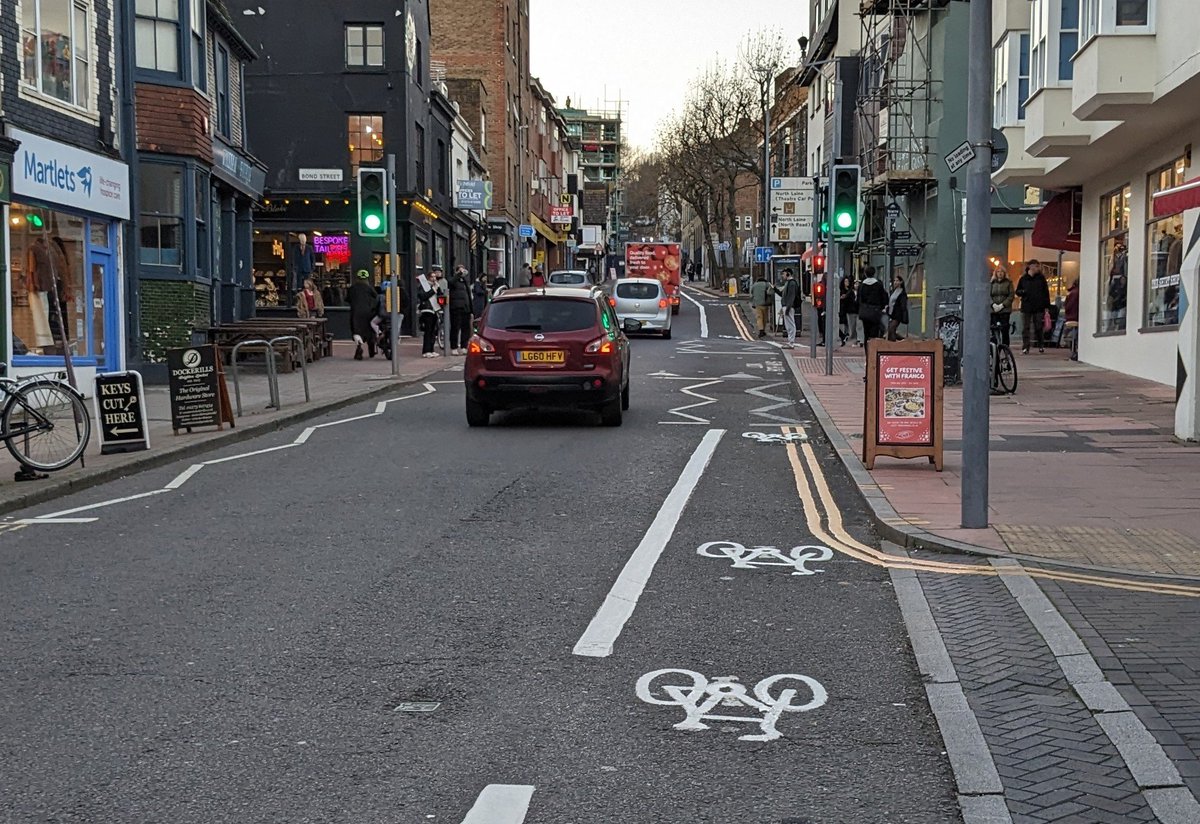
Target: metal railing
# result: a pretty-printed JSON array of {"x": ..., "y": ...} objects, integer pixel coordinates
[{"x": 272, "y": 372}]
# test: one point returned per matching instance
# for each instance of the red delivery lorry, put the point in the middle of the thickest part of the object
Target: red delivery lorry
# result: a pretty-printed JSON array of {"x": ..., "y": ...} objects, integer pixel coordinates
[{"x": 661, "y": 261}]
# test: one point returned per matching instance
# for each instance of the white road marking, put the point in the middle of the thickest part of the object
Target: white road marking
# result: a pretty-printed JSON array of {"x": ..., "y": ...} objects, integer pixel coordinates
[
  {"x": 618, "y": 606},
  {"x": 765, "y": 411},
  {"x": 30, "y": 521},
  {"x": 238, "y": 457},
  {"x": 501, "y": 804},
  {"x": 776, "y": 437},
  {"x": 66, "y": 512},
  {"x": 705, "y": 400},
  {"x": 798, "y": 557},
  {"x": 703, "y": 314}
]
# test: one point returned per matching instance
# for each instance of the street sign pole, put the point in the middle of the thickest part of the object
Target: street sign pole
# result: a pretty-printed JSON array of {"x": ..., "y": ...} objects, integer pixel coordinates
[
  {"x": 812, "y": 264},
  {"x": 833, "y": 261},
  {"x": 394, "y": 265},
  {"x": 976, "y": 315}
]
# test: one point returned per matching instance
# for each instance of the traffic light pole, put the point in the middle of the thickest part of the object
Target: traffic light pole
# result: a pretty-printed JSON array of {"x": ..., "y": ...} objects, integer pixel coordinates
[
  {"x": 976, "y": 312},
  {"x": 812, "y": 264},
  {"x": 394, "y": 265}
]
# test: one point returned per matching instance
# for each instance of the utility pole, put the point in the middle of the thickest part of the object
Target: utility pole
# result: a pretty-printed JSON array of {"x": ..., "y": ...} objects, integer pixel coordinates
[
  {"x": 394, "y": 265},
  {"x": 976, "y": 316}
]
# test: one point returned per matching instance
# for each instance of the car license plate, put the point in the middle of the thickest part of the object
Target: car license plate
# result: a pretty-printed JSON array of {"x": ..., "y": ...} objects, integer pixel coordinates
[{"x": 541, "y": 356}]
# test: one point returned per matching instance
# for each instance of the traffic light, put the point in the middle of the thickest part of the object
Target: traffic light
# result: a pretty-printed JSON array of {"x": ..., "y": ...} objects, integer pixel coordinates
[
  {"x": 819, "y": 294},
  {"x": 372, "y": 203},
  {"x": 819, "y": 264},
  {"x": 844, "y": 202}
]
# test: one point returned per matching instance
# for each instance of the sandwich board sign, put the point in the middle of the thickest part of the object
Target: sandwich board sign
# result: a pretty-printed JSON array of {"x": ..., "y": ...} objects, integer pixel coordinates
[{"x": 120, "y": 402}]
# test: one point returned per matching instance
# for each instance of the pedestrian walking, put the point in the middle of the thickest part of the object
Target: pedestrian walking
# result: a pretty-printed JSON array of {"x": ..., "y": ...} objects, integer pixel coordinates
[
  {"x": 789, "y": 295},
  {"x": 479, "y": 296},
  {"x": 427, "y": 315},
  {"x": 308, "y": 301},
  {"x": 761, "y": 298},
  {"x": 1002, "y": 302},
  {"x": 526, "y": 276},
  {"x": 537, "y": 279},
  {"x": 872, "y": 300},
  {"x": 1034, "y": 293},
  {"x": 364, "y": 303},
  {"x": 848, "y": 310},
  {"x": 897, "y": 307},
  {"x": 460, "y": 311},
  {"x": 1071, "y": 314}
]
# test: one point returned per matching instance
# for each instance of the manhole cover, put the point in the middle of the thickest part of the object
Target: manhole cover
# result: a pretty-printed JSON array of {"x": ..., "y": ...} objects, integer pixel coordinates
[{"x": 417, "y": 706}]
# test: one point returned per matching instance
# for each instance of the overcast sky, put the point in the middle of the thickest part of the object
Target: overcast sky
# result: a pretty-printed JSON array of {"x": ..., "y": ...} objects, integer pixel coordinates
[{"x": 643, "y": 52}]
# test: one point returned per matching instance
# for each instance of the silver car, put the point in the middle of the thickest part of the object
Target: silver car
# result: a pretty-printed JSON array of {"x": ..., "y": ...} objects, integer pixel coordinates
[
  {"x": 570, "y": 277},
  {"x": 642, "y": 306}
]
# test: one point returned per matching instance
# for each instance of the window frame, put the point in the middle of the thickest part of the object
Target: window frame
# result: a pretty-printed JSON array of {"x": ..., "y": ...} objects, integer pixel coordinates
[
  {"x": 1176, "y": 170},
  {"x": 148, "y": 219},
  {"x": 1111, "y": 230},
  {"x": 222, "y": 104},
  {"x": 156, "y": 22},
  {"x": 198, "y": 27},
  {"x": 1099, "y": 17},
  {"x": 34, "y": 85},
  {"x": 363, "y": 29},
  {"x": 358, "y": 153}
]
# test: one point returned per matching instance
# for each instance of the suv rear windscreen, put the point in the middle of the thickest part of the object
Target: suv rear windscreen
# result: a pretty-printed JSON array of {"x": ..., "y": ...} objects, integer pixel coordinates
[
  {"x": 538, "y": 314},
  {"x": 637, "y": 291}
]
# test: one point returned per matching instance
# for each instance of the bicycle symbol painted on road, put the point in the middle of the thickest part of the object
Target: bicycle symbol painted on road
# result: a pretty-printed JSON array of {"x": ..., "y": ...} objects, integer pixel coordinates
[
  {"x": 776, "y": 437},
  {"x": 699, "y": 696},
  {"x": 798, "y": 557}
]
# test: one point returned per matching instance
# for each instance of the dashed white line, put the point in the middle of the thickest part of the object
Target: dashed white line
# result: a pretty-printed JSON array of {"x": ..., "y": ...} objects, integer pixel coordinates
[
  {"x": 501, "y": 804},
  {"x": 618, "y": 606}
]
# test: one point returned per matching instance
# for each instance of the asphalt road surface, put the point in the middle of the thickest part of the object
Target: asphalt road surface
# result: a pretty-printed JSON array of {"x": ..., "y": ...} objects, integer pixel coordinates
[{"x": 245, "y": 642}]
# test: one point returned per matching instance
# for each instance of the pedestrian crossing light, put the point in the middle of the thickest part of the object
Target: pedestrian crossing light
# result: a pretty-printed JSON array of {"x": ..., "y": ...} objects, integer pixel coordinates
[
  {"x": 372, "y": 207},
  {"x": 845, "y": 202}
]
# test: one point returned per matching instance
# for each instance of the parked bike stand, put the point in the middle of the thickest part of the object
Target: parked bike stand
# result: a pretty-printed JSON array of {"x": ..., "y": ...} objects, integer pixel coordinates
[{"x": 272, "y": 371}]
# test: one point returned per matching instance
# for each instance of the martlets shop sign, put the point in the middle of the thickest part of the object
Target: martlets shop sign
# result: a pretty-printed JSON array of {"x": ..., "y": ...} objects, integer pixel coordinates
[{"x": 65, "y": 175}]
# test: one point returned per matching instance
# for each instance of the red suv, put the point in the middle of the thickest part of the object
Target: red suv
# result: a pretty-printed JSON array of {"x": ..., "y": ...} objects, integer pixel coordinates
[{"x": 550, "y": 346}]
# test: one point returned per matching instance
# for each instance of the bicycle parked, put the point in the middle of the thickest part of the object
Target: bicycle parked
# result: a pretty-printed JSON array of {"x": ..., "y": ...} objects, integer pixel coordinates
[
  {"x": 1002, "y": 366},
  {"x": 44, "y": 422}
]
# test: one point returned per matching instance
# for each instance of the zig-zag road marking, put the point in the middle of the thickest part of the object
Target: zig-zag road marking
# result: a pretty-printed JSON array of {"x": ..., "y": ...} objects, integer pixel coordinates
[
  {"x": 64, "y": 517},
  {"x": 765, "y": 411},
  {"x": 680, "y": 410}
]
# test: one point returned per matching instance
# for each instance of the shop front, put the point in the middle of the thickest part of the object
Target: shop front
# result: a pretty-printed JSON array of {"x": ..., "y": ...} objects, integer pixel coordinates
[{"x": 64, "y": 286}]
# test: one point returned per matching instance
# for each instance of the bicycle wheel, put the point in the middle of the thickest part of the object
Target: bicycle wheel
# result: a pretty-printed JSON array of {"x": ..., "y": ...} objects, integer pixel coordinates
[
  {"x": 46, "y": 425},
  {"x": 1006, "y": 369}
]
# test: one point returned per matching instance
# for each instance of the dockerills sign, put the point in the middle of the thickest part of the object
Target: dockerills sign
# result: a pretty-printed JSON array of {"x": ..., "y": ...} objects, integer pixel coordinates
[{"x": 57, "y": 173}]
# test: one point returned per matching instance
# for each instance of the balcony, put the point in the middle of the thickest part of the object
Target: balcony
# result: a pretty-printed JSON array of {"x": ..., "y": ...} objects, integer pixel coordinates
[
  {"x": 1051, "y": 128},
  {"x": 1020, "y": 167},
  {"x": 1114, "y": 77}
]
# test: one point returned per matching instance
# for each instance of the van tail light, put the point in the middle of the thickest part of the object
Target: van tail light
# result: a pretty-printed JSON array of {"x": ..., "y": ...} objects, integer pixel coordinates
[
  {"x": 662, "y": 304},
  {"x": 479, "y": 346},
  {"x": 600, "y": 346}
]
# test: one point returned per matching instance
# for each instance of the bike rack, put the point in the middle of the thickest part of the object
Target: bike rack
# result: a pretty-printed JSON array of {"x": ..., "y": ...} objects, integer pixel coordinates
[
  {"x": 272, "y": 371},
  {"x": 303, "y": 366}
]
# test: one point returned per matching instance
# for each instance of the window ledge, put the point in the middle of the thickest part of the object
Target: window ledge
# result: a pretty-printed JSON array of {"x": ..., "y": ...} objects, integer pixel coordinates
[
  {"x": 71, "y": 110},
  {"x": 1109, "y": 334},
  {"x": 1150, "y": 330},
  {"x": 366, "y": 70}
]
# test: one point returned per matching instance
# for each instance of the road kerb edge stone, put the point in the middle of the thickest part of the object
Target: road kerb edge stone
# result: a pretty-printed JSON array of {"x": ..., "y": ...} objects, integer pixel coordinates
[
  {"x": 984, "y": 809},
  {"x": 1173, "y": 805}
]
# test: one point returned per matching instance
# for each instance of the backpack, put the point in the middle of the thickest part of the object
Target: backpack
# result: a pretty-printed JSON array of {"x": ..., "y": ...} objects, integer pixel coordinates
[{"x": 798, "y": 301}]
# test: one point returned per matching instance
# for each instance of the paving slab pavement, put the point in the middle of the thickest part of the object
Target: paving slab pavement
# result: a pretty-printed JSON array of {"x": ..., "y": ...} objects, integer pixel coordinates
[{"x": 333, "y": 382}]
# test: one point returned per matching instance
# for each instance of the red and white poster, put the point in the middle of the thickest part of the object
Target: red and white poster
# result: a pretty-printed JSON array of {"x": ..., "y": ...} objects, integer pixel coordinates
[{"x": 905, "y": 414}]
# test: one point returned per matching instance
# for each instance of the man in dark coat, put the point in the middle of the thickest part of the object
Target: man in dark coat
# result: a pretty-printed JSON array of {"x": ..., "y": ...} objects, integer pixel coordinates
[
  {"x": 363, "y": 304},
  {"x": 1034, "y": 293},
  {"x": 460, "y": 310}
]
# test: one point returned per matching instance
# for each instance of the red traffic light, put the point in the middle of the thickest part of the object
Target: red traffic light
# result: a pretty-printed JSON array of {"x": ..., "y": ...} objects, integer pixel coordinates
[
  {"x": 819, "y": 294},
  {"x": 818, "y": 263},
  {"x": 441, "y": 300}
]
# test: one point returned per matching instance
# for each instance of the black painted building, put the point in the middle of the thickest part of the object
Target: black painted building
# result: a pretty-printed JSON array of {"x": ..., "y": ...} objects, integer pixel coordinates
[{"x": 338, "y": 87}]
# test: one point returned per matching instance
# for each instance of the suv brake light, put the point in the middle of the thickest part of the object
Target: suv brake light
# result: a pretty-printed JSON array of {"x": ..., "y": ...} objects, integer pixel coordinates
[
  {"x": 600, "y": 346},
  {"x": 479, "y": 346}
]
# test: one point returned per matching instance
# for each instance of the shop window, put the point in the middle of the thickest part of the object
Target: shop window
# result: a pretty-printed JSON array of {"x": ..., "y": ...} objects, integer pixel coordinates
[
  {"x": 224, "y": 119},
  {"x": 1114, "y": 260},
  {"x": 50, "y": 295},
  {"x": 161, "y": 215},
  {"x": 439, "y": 252},
  {"x": 364, "y": 46},
  {"x": 280, "y": 259},
  {"x": 1164, "y": 250},
  {"x": 366, "y": 140},
  {"x": 157, "y": 35},
  {"x": 56, "y": 56}
]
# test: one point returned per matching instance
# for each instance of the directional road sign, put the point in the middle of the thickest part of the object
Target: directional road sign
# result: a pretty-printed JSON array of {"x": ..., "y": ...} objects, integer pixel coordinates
[
  {"x": 791, "y": 208},
  {"x": 762, "y": 254},
  {"x": 525, "y": 230},
  {"x": 904, "y": 235},
  {"x": 907, "y": 251}
]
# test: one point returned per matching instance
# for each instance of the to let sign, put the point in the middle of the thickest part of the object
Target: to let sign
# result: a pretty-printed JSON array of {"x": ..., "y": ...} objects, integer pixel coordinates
[
  {"x": 195, "y": 383},
  {"x": 121, "y": 412},
  {"x": 904, "y": 401},
  {"x": 561, "y": 214}
]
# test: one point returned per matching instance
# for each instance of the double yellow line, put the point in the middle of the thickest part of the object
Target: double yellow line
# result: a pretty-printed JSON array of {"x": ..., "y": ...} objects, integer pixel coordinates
[
  {"x": 739, "y": 323},
  {"x": 811, "y": 484}
]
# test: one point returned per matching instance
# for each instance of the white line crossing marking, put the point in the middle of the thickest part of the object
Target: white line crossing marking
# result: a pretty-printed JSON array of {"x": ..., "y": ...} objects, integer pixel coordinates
[
  {"x": 705, "y": 400},
  {"x": 501, "y": 804},
  {"x": 66, "y": 512},
  {"x": 618, "y": 606},
  {"x": 703, "y": 314},
  {"x": 765, "y": 411},
  {"x": 48, "y": 520}
]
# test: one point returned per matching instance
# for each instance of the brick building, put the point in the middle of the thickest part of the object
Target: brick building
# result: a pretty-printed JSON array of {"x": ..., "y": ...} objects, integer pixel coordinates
[
  {"x": 64, "y": 188},
  {"x": 549, "y": 148},
  {"x": 487, "y": 41}
]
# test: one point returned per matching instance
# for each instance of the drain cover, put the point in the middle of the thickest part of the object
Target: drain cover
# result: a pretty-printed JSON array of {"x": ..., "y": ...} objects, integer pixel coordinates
[{"x": 417, "y": 706}]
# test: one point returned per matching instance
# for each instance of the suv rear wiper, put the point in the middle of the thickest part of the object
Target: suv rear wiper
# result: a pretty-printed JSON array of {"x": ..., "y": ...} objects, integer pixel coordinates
[{"x": 524, "y": 327}]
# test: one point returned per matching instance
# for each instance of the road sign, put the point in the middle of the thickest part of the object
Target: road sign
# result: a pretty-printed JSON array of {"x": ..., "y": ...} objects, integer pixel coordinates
[
  {"x": 961, "y": 156},
  {"x": 566, "y": 199},
  {"x": 723, "y": 246},
  {"x": 904, "y": 235},
  {"x": 121, "y": 412},
  {"x": 762, "y": 254},
  {"x": 999, "y": 149},
  {"x": 791, "y": 208},
  {"x": 893, "y": 211},
  {"x": 907, "y": 251},
  {"x": 525, "y": 230}
]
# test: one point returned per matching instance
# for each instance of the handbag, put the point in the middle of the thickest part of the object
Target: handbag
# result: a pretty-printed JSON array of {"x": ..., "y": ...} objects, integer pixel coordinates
[{"x": 1046, "y": 323}]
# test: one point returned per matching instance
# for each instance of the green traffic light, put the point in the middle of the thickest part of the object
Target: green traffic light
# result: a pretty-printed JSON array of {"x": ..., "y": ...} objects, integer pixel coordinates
[
  {"x": 372, "y": 222},
  {"x": 844, "y": 220},
  {"x": 825, "y": 227},
  {"x": 35, "y": 220}
]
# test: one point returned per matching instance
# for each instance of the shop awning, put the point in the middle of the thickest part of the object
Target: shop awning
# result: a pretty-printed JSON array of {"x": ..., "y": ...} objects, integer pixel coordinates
[
  {"x": 1179, "y": 199},
  {"x": 544, "y": 229},
  {"x": 1057, "y": 224}
]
